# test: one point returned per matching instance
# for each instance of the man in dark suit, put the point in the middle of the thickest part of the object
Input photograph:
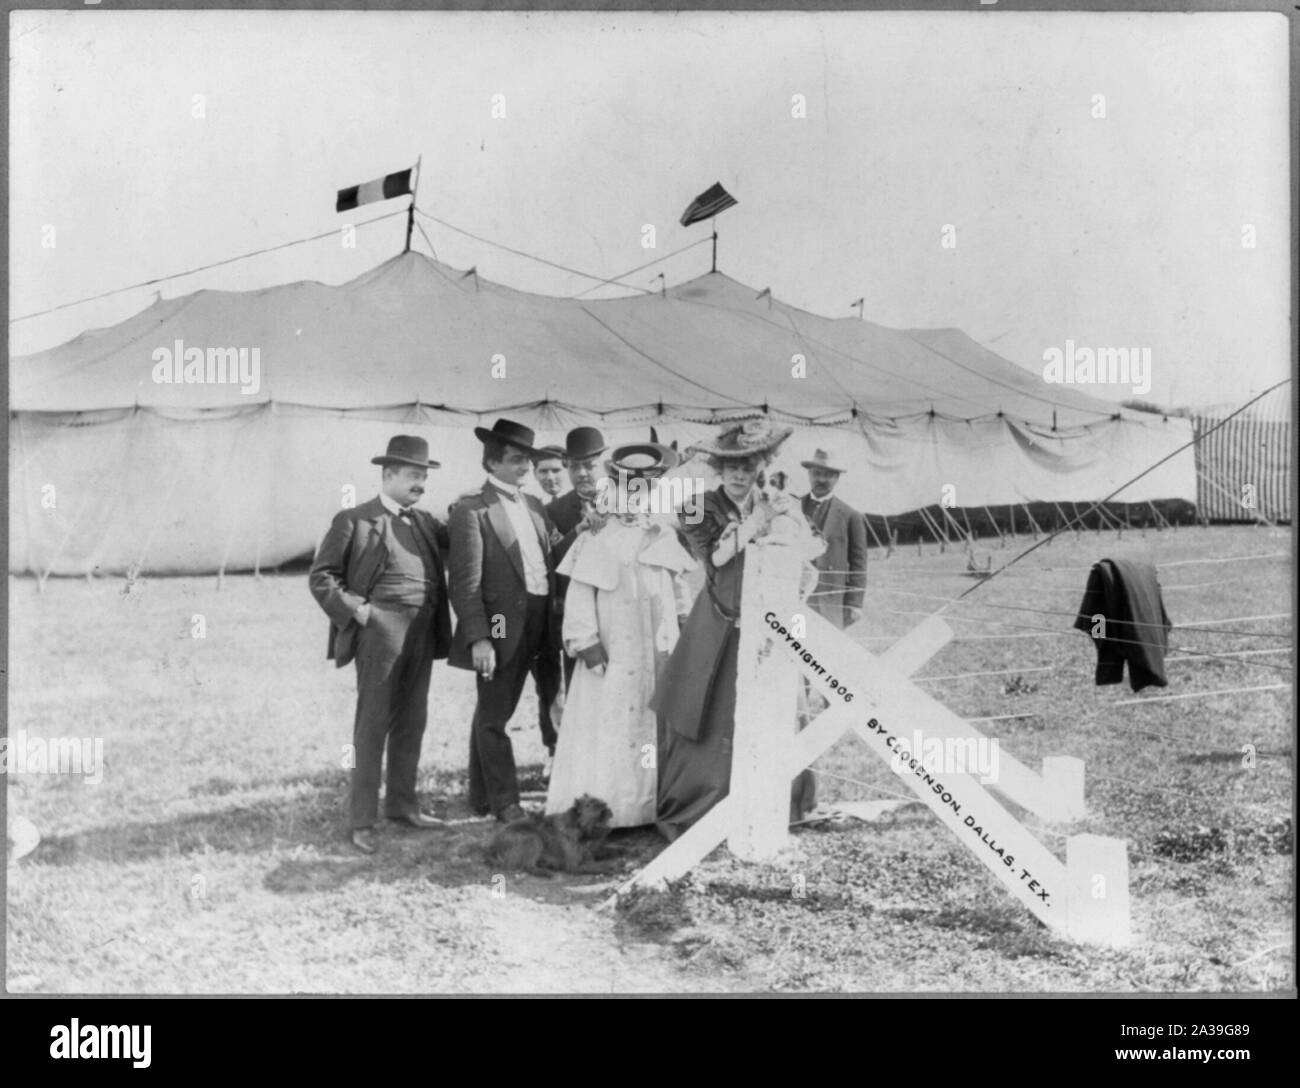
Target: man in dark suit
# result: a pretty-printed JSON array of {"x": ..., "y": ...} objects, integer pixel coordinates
[
  {"x": 575, "y": 511},
  {"x": 839, "y": 591},
  {"x": 838, "y": 595},
  {"x": 548, "y": 466},
  {"x": 502, "y": 588},
  {"x": 379, "y": 577}
]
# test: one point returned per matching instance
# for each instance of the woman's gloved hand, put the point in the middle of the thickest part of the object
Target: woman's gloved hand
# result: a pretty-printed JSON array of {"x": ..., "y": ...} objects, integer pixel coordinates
[{"x": 594, "y": 657}]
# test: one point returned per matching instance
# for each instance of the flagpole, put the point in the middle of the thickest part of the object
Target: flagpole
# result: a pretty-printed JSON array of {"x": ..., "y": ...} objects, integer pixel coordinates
[{"x": 410, "y": 212}]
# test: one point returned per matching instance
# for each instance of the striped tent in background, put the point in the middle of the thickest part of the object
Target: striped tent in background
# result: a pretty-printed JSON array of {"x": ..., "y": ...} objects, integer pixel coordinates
[{"x": 1243, "y": 469}]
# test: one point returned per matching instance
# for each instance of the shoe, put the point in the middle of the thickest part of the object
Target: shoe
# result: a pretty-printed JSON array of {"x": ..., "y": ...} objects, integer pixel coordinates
[
  {"x": 511, "y": 813},
  {"x": 364, "y": 840},
  {"x": 422, "y": 820}
]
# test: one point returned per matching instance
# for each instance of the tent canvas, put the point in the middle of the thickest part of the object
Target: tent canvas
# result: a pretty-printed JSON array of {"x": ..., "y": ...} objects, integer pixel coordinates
[{"x": 111, "y": 470}]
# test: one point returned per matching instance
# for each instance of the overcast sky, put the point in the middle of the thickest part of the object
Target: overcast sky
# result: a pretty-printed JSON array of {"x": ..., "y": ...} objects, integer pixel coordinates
[{"x": 1117, "y": 230}]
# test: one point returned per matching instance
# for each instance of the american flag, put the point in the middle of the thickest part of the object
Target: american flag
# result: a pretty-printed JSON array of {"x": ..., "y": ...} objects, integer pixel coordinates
[{"x": 708, "y": 204}]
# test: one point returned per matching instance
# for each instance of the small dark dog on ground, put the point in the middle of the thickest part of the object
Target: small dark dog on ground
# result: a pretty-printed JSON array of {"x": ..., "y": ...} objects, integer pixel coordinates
[{"x": 569, "y": 842}]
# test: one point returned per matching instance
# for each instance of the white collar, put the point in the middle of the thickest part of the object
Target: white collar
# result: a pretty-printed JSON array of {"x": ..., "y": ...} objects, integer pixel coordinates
[
  {"x": 392, "y": 505},
  {"x": 509, "y": 489},
  {"x": 814, "y": 498}
]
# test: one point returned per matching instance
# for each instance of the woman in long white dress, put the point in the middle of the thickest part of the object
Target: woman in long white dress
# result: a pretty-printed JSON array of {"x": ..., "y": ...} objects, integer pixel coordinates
[{"x": 621, "y": 616}]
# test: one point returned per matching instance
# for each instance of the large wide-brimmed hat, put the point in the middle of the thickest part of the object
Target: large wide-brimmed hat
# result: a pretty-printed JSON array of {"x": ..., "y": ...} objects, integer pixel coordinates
[
  {"x": 549, "y": 453},
  {"x": 406, "y": 449},
  {"x": 821, "y": 459},
  {"x": 507, "y": 430},
  {"x": 582, "y": 443},
  {"x": 754, "y": 436}
]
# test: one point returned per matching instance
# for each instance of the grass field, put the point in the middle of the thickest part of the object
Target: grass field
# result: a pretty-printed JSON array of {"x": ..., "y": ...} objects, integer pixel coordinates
[{"x": 211, "y": 856}]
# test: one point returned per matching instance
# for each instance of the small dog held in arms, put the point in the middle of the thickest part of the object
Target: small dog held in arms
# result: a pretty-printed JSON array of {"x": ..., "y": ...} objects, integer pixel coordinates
[{"x": 569, "y": 842}]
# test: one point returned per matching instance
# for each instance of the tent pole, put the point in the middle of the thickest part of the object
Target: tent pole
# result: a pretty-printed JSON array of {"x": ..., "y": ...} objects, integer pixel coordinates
[
  {"x": 712, "y": 225},
  {"x": 410, "y": 212}
]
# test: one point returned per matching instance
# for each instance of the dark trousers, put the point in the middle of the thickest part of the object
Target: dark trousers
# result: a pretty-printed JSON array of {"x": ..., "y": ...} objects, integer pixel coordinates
[
  {"x": 493, "y": 784},
  {"x": 546, "y": 678},
  {"x": 394, "y": 660}
]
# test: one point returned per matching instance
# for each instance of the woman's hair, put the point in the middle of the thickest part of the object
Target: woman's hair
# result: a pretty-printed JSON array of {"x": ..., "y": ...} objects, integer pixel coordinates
[{"x": 753, "y": 460}]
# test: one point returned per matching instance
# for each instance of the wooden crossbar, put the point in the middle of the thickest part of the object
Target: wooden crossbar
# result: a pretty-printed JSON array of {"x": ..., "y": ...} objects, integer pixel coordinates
[{"x": 1086, "y": 898}]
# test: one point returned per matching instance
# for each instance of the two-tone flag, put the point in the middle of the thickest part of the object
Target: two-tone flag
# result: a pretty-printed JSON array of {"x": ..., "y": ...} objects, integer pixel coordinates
[
  {"x": 705, "y": 206},
  {"x": 385, "y": 188}
]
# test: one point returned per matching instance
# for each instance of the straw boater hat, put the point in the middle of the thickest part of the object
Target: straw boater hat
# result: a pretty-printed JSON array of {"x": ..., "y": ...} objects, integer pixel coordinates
[
  {"x": 406, "y": 449},
  {"x": 507, "y": 430},
  {"x": 754, "y": 436},
  {"x": 648, "y": 460},
  {"x": 821, "y": 459}
]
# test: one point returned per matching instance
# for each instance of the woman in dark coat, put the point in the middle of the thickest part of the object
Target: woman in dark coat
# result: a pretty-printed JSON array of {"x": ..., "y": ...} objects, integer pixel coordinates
[{"x": 696, "y": 695}]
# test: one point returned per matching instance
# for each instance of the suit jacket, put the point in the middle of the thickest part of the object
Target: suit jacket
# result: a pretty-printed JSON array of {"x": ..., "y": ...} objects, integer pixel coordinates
[
  {"x": 487, "y": 574},
  {"x": 846, "y": 550},
  {"x": 350, "y": 560},
  {"x": 565, "y": 513},
  {"x": 1127, "y": 594}
]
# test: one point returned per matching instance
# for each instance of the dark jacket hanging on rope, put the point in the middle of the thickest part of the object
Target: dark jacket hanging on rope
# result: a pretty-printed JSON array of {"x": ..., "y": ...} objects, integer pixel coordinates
[{"x": 1125, "y": 614}]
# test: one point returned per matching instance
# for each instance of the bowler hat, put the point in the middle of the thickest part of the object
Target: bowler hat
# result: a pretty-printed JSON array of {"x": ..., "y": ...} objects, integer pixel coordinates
[
  {"x": 582, "y": 443},
  {"x": 507, "y": 430},
  {"x": 406, "y": 449},
  {"x": 821, "y": 459}
]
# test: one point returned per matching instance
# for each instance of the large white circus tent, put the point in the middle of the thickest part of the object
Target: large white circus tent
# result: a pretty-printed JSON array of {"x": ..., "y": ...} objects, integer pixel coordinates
[{"x": 112, "y": 468}]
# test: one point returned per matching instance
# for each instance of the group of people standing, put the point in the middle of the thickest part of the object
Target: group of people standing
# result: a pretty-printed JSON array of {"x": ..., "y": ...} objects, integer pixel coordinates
[{"x": 589, "y": 593}]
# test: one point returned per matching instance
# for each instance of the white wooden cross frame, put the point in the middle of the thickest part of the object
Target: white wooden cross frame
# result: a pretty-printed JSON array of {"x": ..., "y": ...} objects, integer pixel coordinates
[{"x": 1086, "y": 898}]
